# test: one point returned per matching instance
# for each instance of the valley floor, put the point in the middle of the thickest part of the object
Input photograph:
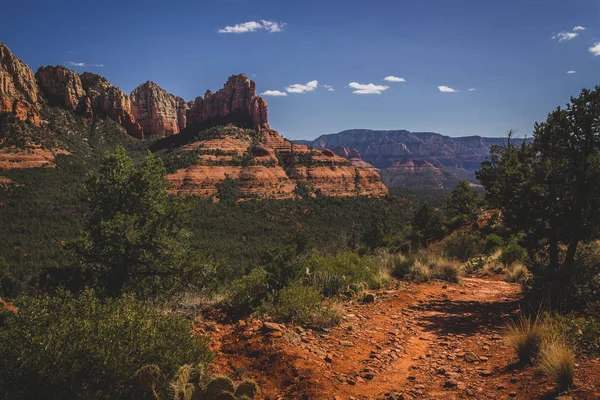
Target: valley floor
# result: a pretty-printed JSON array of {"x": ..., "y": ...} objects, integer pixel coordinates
[{"x": 425, "y": 341}]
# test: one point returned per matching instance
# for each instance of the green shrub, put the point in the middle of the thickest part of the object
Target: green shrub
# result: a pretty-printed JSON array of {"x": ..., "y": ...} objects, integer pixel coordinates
[
  {"x": 332, "y": 273},
  {"x": 247, "y": 292},
  {"x": 463, "y": 246},
  {"x": 585, "y": 279},
  {"x": 492, "y": 242},
  {"x": 283, "y": 266},
  {"x": 512, "y": 253},
  {"x": 295, "y": 304},
  {"x": 79, "y": 347}
]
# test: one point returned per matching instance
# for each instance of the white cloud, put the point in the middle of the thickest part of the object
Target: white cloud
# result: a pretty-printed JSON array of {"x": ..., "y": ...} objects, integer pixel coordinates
[
  {"x": 595, "y": 49},
  {"x": 472, "y": 90},
  {"x": 300, "y": 88},
  {"x": 447, "y": 89},
  {"x": 329, "y": 88},
  {"x": 273, "y": 27},
  {"x": 564, "y": 36},
  {"x": 579, "y": 28},
  {"x": 274, "y": 93},
  {"x": 571, "y": 72},
  {"x": 253, "y": 26},
  {"x": 80, "y": 64},
  {"x": 394, "y": 79},
  {"x": 369, "y": 88}
]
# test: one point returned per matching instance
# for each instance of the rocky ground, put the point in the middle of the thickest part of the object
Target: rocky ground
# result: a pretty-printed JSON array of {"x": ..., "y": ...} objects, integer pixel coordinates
[{"x": 425, "y": 341}]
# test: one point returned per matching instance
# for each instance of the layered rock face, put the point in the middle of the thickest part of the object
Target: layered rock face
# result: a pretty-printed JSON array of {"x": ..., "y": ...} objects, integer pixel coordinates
[
  {"x": 236, "y": 103},
  {"x": 61, "y": 86},
  {"x": 158, "y": 112},
  {"x": 19, "y": 93},
  {"x": 273, "y": 167},
  {"x": 91, "y": 95},
  {"x": 105, "y": 100}
]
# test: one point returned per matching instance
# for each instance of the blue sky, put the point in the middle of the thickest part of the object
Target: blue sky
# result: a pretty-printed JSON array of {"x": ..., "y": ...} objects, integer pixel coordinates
[{"x": 510, "y": 51}]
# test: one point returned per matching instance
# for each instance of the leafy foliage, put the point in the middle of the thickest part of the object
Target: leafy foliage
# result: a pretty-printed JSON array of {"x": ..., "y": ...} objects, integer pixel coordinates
[
  {"x": 80, "y": 347},
  {"x": 550, "y": 189},
  {"x": 133, "y": 238}
]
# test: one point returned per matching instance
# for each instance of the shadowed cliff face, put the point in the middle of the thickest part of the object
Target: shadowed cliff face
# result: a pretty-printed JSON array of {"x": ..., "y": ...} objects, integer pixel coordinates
[{"x": 19, "y": 93}]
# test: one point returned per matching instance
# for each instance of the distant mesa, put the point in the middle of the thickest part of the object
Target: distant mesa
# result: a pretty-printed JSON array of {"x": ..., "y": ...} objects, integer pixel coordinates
[{"x": 403, "y": 157}]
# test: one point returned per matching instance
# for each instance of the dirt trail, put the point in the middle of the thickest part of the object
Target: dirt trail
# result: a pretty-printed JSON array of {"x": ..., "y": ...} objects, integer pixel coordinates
[{"x": 434, "y": 341}]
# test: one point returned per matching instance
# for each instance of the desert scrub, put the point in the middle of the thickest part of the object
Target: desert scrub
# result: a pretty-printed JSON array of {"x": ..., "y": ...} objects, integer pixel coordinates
[
  {"x": 525, "y": 336},
  {"x": 81, "y": 347},
  {"x": 557, "y": 361}
]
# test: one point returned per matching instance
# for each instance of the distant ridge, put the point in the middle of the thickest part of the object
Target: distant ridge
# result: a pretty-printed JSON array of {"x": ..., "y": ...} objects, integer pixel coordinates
[{"x": 450, "y": 158}]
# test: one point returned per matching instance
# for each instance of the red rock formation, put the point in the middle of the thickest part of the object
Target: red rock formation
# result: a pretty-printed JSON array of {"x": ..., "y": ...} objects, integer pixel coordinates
[
  {"x": 18, "y": 90},
  {"x": 61, "y": 86},
  {"x": 275, "y": 169},
  {"x": 105, "y": 100},
  {"x": 158, "y": 112},
  {"x": 236, "y": 103}
]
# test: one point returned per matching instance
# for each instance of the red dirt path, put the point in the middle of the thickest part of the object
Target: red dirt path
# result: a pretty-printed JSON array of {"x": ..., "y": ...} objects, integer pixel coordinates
[{"x": 425, "y": 341}]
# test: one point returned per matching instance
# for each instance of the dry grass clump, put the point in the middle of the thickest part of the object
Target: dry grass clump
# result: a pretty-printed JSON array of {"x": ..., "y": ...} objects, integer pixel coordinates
[
  {"x": 557, "y": 361},
  {"x": 445, "y": 269},
  {"x": 525, "y": 336},
  {"x": 419, "y": 272},
  {"x": 517, "y": 273}
]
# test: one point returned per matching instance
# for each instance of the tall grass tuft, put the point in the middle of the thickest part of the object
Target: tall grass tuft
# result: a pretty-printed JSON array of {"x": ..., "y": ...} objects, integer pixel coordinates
[
  {"x": 557, "y": 361},
  {"x": 525, "y": 336},
  {"x": 517, "y": 273}
]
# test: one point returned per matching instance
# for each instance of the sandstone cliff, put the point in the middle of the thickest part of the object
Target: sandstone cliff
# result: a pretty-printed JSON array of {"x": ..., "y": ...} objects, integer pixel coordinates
[
  {"x": 61, "y": 86},
  {"x": 105, "y": 100},
  {"x": 236, "y": 103},
  {"x": 158, "y": 112},
  {"x": 266, "y": 165},
  {"x": 18, "y": 90}
]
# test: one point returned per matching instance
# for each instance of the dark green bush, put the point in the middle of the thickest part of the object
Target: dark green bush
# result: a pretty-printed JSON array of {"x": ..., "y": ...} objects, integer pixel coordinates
[
  {"x": 492, "y": 242},
  {"x": 247, "y": 292},
  {"x": 511, "y": 254},
  {"x": 463, "y": 246},
  {"x": 585, "y": 280},
  {"x": 79, "y": 347},
  {"x": 296, "y": 304}
]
